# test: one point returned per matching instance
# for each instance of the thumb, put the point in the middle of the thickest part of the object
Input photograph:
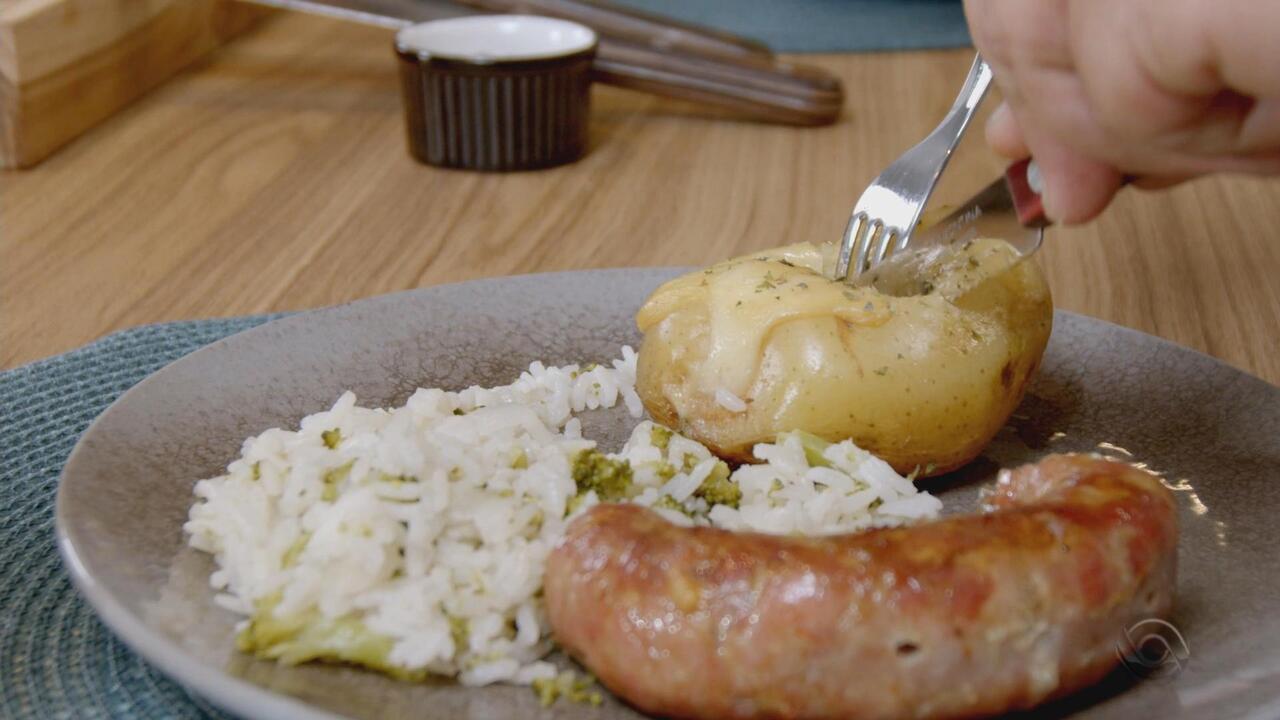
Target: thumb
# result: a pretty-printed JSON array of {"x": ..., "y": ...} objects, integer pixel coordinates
[{"x": 1076, "y": 189}]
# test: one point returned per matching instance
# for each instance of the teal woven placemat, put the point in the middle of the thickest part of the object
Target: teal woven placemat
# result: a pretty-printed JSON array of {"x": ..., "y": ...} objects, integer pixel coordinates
[{"x": 56, "y": 659}]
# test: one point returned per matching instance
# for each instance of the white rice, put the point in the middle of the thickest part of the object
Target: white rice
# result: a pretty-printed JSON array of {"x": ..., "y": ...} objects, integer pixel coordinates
[
  {"x": 785, "y": 494},
  {"x": 729, "y": 401},
  {"x": 419, "y": 520}
]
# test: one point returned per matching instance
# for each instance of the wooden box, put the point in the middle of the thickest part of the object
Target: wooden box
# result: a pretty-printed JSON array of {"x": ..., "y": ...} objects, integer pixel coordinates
[{"x": 66, "y": 65}]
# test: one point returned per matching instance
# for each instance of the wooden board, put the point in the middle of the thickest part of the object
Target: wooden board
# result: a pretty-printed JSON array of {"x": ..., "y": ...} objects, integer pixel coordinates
[{"x": 65, "y": 65}]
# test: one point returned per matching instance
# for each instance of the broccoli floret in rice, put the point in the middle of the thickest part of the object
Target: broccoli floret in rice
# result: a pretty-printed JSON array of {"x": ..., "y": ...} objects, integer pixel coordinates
[
  {"x": 568, "y": 684},
  {"x": 309, "y": 636},
  {"x": 666, "y": 502},
  {"x": 460, "y": 631},
  {"x": 659, "y": 437},
  {"x": 290, "y": 556},
  {"x": 520, "y": 460},
  {"x": 611, "y": 479},
  {"x": 332, "y": 480},
  {"x": 665, "y": 470},
  {"x": 718, "y": 489}
]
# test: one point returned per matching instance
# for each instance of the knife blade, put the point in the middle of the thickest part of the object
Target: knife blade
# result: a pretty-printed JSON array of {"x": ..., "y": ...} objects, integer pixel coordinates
[{"x": 1008, "y": 208}]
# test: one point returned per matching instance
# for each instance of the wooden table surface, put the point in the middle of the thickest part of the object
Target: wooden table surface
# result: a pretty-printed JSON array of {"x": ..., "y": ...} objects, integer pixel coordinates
[{"x": 274, "y": 177}]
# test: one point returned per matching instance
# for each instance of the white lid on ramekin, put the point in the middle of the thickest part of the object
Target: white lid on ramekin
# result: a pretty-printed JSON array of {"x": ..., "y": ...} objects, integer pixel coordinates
[{"x": 487, "y": 39}]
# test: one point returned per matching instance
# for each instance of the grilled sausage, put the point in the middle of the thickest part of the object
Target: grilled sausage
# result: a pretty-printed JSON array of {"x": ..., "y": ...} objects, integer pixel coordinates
[{"x": 963, "y": 616}]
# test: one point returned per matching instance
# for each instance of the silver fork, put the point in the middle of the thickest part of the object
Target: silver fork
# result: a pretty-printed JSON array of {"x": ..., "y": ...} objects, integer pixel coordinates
[{"x": 890, "y": 207}]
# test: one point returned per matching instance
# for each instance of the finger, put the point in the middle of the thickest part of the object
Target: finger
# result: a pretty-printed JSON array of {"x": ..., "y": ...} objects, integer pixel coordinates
[
  {"x": 1054, "y": 105},
  {"x": 1076, "y": 189},
  {"x": 1128, "y": 103},
  {"x": 1015, "y": 33},
  {"x": 1261, "y": 128},
  {"x": 1003, "y": 134},
  {"x": 1194, "y": 47},
  {"x": 1156, "y": 81}
]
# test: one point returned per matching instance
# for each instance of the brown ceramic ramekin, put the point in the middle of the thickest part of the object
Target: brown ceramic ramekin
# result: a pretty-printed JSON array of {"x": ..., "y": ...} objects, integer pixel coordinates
[{"x": 496, "y": 92}]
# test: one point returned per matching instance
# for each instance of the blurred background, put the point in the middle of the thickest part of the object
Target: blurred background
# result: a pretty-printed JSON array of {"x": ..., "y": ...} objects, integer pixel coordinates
[{"x": 202, "y": 158}]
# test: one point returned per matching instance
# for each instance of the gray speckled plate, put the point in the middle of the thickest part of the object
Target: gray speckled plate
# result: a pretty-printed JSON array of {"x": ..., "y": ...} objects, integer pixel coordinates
[{"x": 1212, "y": 431}]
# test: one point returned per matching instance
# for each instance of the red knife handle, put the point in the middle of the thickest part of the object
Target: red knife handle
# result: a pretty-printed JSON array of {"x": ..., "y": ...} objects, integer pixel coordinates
[{"x": 1024, "y": 187}]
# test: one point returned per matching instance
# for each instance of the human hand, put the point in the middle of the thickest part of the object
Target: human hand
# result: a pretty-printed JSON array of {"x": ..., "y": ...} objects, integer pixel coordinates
[{"x": 1161, "y": 90}]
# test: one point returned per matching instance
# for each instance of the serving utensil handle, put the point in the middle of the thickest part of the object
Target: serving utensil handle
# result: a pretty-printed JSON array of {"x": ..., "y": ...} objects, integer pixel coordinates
[{"x": 760, "y": 87}]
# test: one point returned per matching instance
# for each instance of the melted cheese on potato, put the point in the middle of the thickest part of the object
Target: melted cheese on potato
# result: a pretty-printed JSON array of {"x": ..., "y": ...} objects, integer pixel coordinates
[
  {"x": 806, "y": 352},
  {"x": 749, "y": 297}
]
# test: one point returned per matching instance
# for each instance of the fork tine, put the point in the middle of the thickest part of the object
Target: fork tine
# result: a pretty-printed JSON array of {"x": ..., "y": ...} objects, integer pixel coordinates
[
  {"x": 900, "y": 243},
  {"x": 884, "y": 246},
  {"x": 862, "y": 248},
  {"x": 848, "y": 247},
  {"x": 889, "y": 209}
]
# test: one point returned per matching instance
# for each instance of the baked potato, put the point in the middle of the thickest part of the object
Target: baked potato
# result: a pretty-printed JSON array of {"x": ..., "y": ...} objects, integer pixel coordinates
[{"x": 921, "y": 366}]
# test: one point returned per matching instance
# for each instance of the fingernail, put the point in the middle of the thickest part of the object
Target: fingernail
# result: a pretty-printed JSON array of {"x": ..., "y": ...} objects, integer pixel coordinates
[{"x": 1035, "y": 180}]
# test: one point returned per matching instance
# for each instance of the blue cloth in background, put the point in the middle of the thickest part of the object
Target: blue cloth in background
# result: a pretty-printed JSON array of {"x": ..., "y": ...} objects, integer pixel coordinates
[
  {"x": 56, "y": 659},
  {"x": 825, "y": 25}
]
